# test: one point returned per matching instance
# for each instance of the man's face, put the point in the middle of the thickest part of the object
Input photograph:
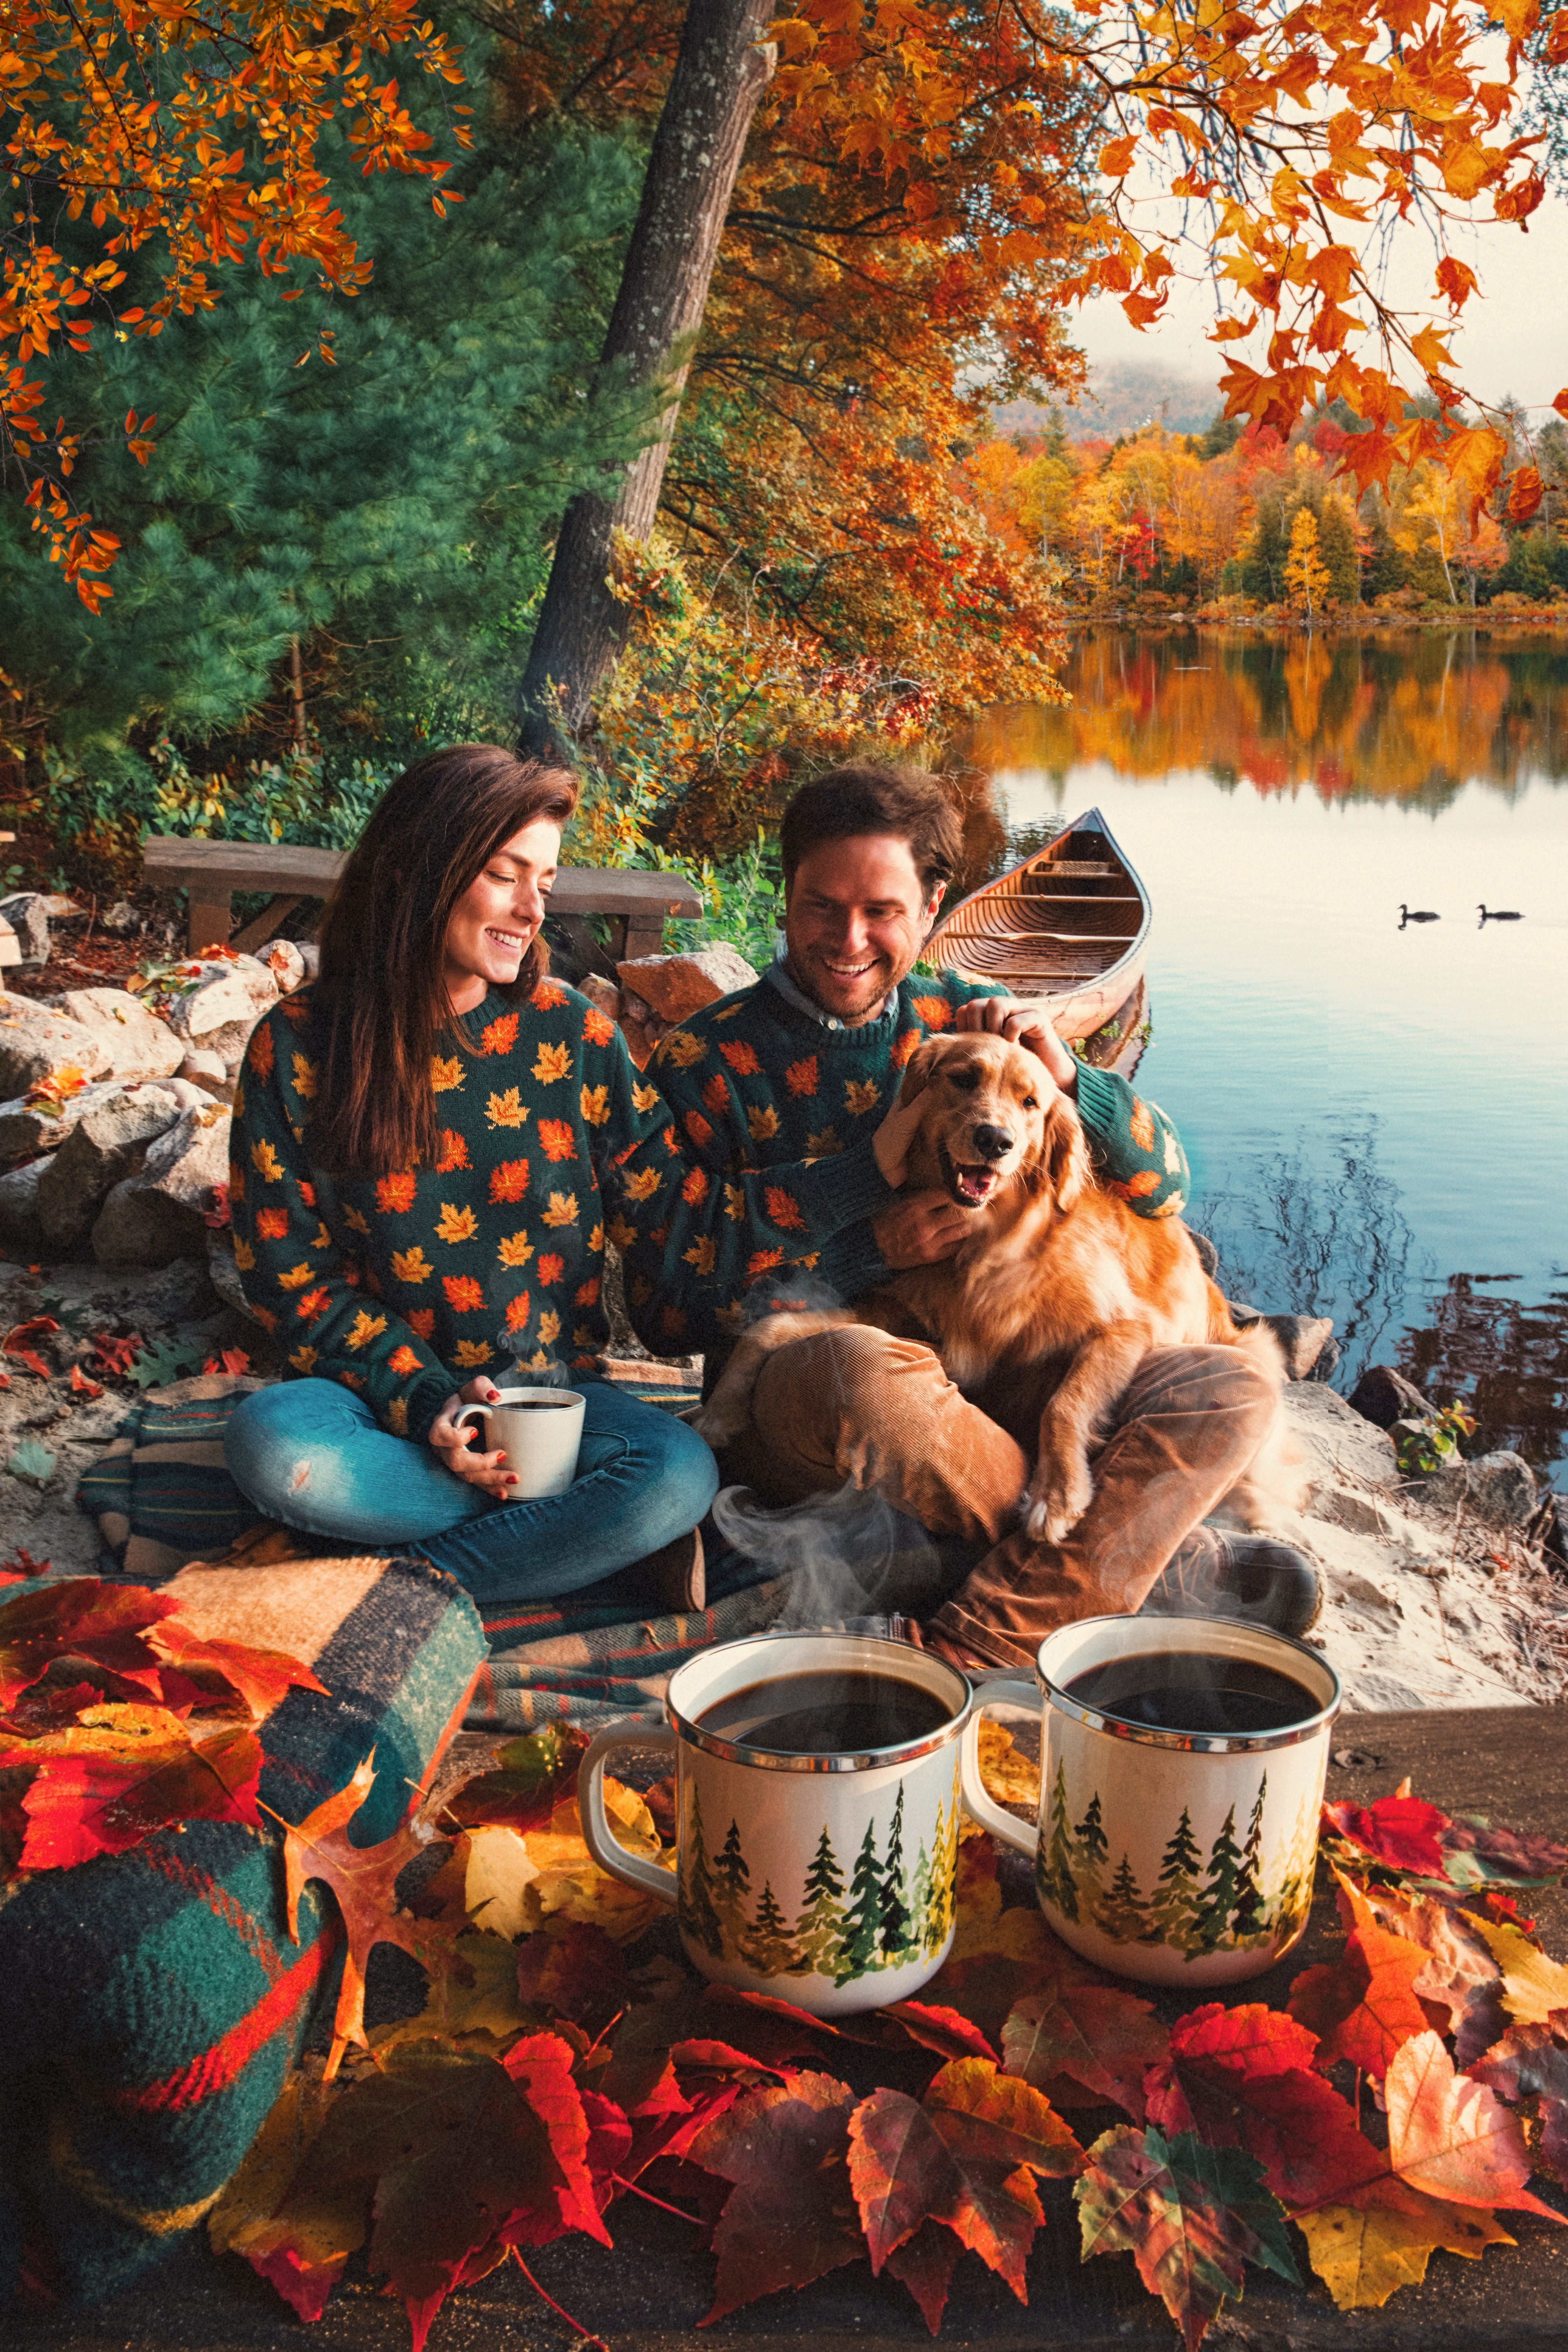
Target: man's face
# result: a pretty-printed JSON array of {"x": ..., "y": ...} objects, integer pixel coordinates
[{"x": 855, "y": 918}]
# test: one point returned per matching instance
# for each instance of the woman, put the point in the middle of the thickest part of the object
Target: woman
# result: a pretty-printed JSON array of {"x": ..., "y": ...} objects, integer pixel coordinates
[{"x": 420, "y": 1140}]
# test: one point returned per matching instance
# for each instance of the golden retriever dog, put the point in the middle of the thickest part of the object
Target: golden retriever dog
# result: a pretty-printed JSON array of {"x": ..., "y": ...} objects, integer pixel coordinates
[{"x": 1058, "y": 1269}]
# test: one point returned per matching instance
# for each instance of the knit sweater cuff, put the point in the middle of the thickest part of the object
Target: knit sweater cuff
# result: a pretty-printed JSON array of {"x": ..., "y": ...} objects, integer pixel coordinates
[
  {"x": 426, "y": 1398},
  {"x": 1102, "y": 1100},
  {"x": 846, "y": 1189}
]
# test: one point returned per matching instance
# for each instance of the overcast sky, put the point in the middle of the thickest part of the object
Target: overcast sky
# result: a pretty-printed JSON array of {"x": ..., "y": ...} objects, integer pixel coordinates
[{"x": 1513, "y": 337}]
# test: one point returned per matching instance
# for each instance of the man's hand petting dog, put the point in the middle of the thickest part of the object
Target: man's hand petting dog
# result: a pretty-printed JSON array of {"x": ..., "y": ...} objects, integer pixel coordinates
[
  {"x": 920, "y": 1231},
  {"x": 1025, "y": 1025}
]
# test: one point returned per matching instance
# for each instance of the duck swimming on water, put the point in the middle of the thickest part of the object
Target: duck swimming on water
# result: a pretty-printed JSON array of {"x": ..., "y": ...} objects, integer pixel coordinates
[
  {"x": 1500, "y": 915},
  {"x": 1421, "y": 916}
]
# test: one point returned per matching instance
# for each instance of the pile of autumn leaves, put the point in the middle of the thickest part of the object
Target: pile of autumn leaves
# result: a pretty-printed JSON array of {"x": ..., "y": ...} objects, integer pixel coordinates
[{"x": 548, "y": 2077}]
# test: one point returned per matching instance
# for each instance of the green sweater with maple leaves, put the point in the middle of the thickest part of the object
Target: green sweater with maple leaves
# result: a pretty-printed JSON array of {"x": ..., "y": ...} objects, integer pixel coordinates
[
  {"x": 404, "y": 1284},
  {"x": 766, "y": 1092}
]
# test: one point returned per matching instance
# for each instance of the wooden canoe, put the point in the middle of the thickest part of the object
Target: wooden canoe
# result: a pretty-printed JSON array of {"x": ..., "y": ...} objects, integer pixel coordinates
[{"x": 1070, "y": 925}]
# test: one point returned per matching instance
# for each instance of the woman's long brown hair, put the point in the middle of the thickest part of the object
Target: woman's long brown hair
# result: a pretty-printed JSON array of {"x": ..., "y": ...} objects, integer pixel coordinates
[{"x": 382, "y": 994}]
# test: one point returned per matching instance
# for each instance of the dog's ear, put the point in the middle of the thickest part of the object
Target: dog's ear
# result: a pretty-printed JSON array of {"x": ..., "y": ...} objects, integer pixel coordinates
[
  {"x": 1062, "y": 1165},
  {"x": 916, "y": 1074}
]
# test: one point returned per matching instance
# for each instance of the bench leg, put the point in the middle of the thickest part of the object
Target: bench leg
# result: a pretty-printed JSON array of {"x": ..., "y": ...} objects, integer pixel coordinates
[
  {"x": 264, "y": 927},
  {"x": 208, "y": 920},
  {"x": 644, "y": 937}
]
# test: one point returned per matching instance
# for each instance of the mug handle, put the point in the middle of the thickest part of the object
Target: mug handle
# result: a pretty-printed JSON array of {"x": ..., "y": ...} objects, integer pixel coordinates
[
  {"x": 985, "y": 1809},
  {"x": 633, "y": 1869},
  {"x": 461, "y": 1420}
]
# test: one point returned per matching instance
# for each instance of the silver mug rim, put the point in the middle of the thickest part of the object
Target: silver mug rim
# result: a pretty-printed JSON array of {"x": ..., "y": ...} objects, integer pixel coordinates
[
  {"x": 1196, "y": 1743},
  {"x": 862, "y": 1759}
]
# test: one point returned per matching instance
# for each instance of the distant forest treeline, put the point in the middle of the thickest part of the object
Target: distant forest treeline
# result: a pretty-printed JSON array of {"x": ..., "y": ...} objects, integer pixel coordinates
[{"x": 1237, "y": 516}]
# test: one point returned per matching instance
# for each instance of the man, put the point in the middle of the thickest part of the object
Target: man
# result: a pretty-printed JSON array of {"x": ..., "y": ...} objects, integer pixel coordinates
[{"x": 785, "y": 1094}]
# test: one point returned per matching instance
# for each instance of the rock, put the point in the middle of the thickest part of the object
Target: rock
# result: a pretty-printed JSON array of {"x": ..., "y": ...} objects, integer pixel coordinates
[
  {"x": 1549, "y": 1530},
  {"x": 1499, "y": 1488},
  {"x": 155, "y": 1217},
  {"x": 20, "y": 1231},
  {"x": 1384, "y": 1396},
  {"x": 224, "y": 1275},
  {"x": 311, "y": 955},
  {"x": 1209, "y": 1256},
  {"x": 602, "y": 992},
  {"x": 1337, "y": 1443},
  {"x": 1327, "y": 1363},
  {"x": 1302, "y": 1338},
  {"x": 25, "y": 1132},
  {"x": 107, "y": 1145},
  {"x": 208, "y": 1071},
  {"x": 34, "y": 1044},
  {"x": 283, "y": 959},
  {"x": 676, "y": 986},
  {"x": 122, "y": 917},
  {"x": 1343, "y": 1507},
  {"x": 10, "y": 945},
  {"x": 139, "y": 1046},
  {"x": 58, "y": 907},
  {"x": 28, "y": 912},
  {"x": 219, "y": 1013}
]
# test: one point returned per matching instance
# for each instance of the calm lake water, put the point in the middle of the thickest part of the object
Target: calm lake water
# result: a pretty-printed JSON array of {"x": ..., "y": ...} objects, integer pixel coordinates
[{"x": 1377, "y": 1118}]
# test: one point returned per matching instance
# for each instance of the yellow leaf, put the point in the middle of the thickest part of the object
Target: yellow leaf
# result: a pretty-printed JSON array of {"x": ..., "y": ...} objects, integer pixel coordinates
[
  {"x": 1365, "y": 2253},
  {"x": 1532, "y": 1986},
  {"x": 1005, "y": 1772}
]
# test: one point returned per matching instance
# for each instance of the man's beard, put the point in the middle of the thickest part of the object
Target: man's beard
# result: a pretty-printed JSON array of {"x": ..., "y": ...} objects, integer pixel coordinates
[{"x": 868, "y": 997}]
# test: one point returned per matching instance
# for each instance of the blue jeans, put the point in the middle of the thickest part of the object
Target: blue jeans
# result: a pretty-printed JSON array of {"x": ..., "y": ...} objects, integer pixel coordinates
[{"x": 311, "y": 1454}]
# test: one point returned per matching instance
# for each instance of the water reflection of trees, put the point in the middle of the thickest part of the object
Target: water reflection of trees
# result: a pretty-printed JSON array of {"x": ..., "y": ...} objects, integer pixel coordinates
[
  {"x": 1410, "y": 718},
  {"x": 1300, "y": 1234},
  {"x": 1508, "y": 1360}
]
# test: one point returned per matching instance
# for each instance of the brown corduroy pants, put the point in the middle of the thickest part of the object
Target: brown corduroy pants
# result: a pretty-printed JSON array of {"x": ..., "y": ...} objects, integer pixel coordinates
[{"x": 855, "y": 1405}]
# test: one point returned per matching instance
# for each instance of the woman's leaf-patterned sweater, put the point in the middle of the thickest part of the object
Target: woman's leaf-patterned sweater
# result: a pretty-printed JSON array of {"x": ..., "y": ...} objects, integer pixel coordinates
[
  {"x": 404, "y": 1284},
  {"x": 766, "y": 1091}
]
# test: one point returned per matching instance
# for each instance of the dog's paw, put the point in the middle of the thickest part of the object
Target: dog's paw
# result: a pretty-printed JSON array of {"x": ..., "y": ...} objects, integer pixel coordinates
[{"x": 1056, "y": 1507}]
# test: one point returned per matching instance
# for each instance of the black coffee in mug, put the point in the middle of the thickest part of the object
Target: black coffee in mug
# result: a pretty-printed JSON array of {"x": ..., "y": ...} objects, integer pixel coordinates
[
  {"x": 1190, "y": 1691},
  {"x": 542, "y": 1404},
  {"x": 840, "y": 1713}
]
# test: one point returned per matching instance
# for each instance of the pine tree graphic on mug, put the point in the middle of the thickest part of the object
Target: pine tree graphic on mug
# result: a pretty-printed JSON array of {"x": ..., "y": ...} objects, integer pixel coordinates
[
  {"x": 852, "y": 1917},
  {"x": 1195, "y": 1906}
]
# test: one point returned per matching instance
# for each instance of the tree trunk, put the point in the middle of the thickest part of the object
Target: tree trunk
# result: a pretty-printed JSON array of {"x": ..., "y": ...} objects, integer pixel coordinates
[{"x": 720, "y": 74}]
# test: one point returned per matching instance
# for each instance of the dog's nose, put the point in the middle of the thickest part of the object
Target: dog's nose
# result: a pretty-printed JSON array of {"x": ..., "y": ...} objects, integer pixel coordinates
[{"x": 993, "y": 1142}]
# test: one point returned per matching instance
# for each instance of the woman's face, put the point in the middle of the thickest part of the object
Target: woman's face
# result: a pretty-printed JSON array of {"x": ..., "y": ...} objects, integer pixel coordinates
[{"x": 494, "y": 923}]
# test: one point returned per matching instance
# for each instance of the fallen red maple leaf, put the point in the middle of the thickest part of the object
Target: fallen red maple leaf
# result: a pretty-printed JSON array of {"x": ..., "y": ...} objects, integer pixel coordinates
[
  {"x": 1362, "y": 2007},
  {"x": 362, "y": 1879},
  {"x": 103, "y": 1786},
  {"x": 1243, "y": 2078},
  {"x": 1399, "y": 1830},
  {"x": 1100, "y": 2038},
  {"x": 39, "y": 1326},
  {"x": 1192, "y": 2217},
  {"x": 117, "y": 1356},
  {"x": 966, "y": 2155},
  {"x": 81, "y": 1385},
  {"x": 790, "y": 2215},
  {"x": 212, "y": 1669},
  {"x": 1452, "y": 2137},
  {"x": 103, "y": 1624},
  {"x": 528, "y": 1780}
]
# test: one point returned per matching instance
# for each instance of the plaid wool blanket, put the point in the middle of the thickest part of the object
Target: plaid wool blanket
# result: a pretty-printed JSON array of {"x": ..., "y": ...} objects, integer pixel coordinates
[{"x": 151, "y": 2001}]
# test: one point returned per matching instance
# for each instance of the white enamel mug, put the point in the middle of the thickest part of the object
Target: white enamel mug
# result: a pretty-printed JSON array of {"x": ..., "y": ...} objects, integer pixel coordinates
[
  {"x": 1174, "y": 1857},
  {"x": 540, "y": 1431},
  {"x": 827, "y": 1881}
]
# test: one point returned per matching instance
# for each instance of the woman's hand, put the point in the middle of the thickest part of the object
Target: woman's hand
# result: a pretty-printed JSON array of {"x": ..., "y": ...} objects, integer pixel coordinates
[{"x": 456, "y": 1446}]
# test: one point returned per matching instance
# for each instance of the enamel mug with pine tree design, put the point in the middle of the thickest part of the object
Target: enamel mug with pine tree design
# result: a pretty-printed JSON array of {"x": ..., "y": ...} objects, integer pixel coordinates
[
  {"x": 827, "y": 1881},
  {"x": 1174, "y": 1857}
]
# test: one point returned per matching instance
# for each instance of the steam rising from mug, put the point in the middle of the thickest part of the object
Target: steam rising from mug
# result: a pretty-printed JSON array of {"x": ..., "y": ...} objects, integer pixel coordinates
[{"x": 846, "y": 1555}]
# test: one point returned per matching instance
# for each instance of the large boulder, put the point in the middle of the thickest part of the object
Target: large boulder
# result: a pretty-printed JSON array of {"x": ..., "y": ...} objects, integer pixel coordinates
[
  {"x": 1498, "y": 1488},
  {"x": 138, "y": 1044},
  {"x": 677, "y": 986},
  {"x": 291, "y": 962},
  {"x": 27, "y": 913},
  {"x": 1337, "y": 1443},
  {"x": 27, "y": 1128},
  {"x": 35, "y": 1044},
  {"x": 161, "y": 1213},
  {"x": 1384, "y": 1396},
  {"x": 102, "y": 1148},
  {"x": 219, "y": 1012},
  {"x": 21, "y": 1235}
]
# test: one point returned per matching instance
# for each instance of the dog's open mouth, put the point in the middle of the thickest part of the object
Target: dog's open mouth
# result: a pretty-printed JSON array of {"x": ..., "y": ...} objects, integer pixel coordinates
[{"x": 971, "y": 1186}]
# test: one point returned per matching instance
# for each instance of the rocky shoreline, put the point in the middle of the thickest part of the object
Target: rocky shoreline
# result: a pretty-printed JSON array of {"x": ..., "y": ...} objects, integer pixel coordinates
[{"x": 117, "y": 1276}]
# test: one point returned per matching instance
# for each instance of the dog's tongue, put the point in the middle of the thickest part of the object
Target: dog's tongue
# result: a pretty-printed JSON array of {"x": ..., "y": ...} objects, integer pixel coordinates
[{"x": 975, "y": 1184}]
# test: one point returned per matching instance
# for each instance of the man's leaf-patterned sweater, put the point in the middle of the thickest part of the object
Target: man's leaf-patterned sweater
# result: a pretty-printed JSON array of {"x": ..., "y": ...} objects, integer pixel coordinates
[{"x": 765, "y": 1091}]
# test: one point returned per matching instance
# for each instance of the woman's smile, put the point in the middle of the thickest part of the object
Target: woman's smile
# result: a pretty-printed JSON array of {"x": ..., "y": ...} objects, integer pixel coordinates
[{"x": 494, "y": 923}]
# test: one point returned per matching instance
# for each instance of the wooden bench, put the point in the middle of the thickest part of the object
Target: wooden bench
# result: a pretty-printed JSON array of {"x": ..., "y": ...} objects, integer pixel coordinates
[{"x": 210, "y": 871}]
